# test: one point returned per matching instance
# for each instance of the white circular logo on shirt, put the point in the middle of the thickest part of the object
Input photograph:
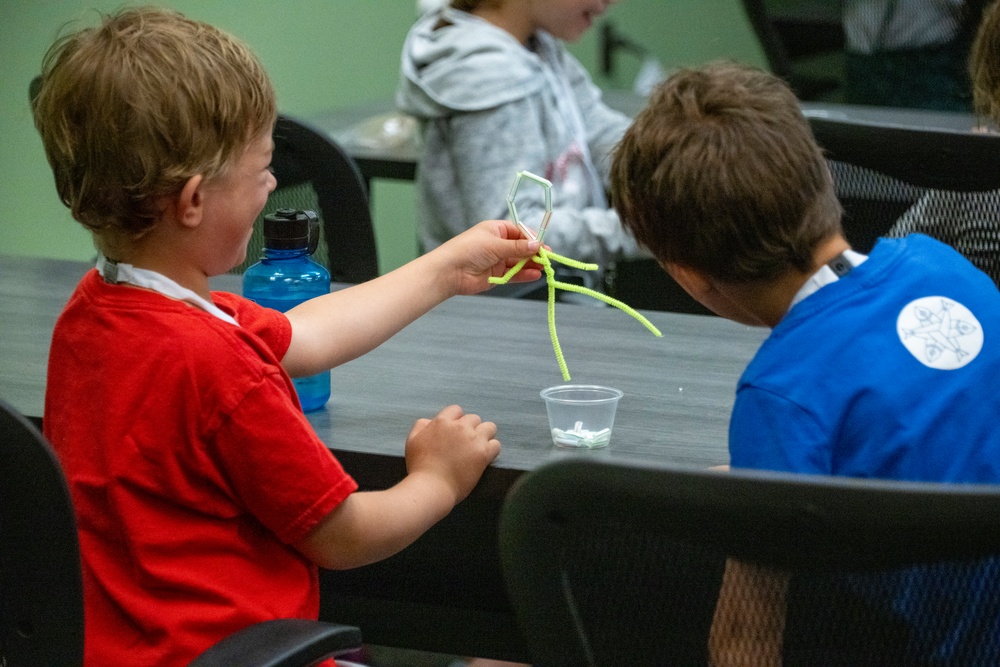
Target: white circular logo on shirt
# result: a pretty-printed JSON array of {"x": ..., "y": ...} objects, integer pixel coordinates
[{"x": 939, "y": 332}]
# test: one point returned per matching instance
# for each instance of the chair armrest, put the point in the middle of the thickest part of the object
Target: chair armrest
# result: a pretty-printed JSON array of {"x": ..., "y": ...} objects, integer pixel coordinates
[{"x": 281, "y": 643}]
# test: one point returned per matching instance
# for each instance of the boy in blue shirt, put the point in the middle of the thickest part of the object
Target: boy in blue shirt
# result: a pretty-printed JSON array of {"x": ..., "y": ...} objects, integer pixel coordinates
[{"x": 876, "y": 366}]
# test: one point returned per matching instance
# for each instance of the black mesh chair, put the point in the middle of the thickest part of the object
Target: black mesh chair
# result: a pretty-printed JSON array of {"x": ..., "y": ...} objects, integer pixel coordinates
[
  {"x": 41, "y": 589},
  {"x": 315, "y": 173},
  {"x": 893, "y": 180},
  {"x": 787, "y": 39},
  {"x": 615, "y": 564}
]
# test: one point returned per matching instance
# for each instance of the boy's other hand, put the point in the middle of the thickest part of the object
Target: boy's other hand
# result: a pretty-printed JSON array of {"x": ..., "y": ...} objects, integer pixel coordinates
[
  {"x": 445, "y": 457},
  {"x": 453, "y": 447},
  {"x": 489, "y": 249}
]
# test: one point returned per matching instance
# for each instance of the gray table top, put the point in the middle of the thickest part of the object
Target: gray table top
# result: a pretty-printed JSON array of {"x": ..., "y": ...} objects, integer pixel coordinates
[{"x": 490, "y": 355}]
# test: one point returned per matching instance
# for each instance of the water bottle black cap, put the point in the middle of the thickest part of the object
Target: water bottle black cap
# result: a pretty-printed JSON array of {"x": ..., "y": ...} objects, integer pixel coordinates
[{"x": 291, "y": 229}]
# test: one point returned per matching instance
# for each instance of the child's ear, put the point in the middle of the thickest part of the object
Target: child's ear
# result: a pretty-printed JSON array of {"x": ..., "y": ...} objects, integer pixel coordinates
[
  {"x": 190, "y": 203},
  {"x": 693, "y": 281}
]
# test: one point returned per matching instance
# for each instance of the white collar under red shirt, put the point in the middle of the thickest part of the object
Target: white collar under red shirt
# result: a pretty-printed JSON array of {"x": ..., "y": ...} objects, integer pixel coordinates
[{"x": 117, "y": 272}]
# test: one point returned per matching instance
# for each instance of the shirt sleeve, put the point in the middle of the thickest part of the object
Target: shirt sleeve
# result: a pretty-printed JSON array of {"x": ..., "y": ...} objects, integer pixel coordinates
[
  {"x": 770, "y": 432},
  {"x": 270, "y": 325},
  {"x": 276, "y": 464}
]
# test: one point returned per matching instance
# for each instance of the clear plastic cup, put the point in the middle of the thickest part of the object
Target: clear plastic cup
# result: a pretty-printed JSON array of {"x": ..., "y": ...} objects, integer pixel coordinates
[{"x": 581, "y": 416}]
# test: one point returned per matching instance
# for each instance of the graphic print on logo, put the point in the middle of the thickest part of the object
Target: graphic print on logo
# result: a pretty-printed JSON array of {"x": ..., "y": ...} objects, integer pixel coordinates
[{"x": 939, "y": 332}]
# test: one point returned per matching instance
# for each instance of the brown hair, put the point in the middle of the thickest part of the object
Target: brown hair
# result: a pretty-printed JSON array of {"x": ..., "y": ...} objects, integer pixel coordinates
[
  {"x": 130, "y": 110},
  {"x": 984, "y": 64},
  {"x": 720, "y": 173}
]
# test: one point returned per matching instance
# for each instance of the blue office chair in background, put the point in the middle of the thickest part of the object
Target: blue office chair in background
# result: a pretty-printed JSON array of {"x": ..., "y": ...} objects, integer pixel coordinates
[
  {"x": 41, "y": 588},
  {"x": 610, "y": 563}
]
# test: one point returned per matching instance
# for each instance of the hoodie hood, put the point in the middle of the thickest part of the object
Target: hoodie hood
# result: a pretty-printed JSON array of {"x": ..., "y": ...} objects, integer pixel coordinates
[{"x": 456, "y": 62}]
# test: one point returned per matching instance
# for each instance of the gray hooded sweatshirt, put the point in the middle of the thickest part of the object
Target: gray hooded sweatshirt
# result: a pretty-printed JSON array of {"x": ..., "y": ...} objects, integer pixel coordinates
[{"x": 491, "y": 107}]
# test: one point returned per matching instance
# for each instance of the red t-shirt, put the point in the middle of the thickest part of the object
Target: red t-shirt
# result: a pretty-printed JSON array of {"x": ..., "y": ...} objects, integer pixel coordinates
[{"x": 191, "y": 469}]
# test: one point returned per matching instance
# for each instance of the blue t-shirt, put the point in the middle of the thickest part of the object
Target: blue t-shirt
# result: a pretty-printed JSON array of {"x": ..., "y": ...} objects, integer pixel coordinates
[{"x": 890, "y": 372}]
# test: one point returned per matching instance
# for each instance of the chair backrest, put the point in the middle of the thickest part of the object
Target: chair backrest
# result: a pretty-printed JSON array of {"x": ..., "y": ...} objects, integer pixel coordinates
[
  {"x": 811, "y": 37},
  {"x": 894, "y": 179},
  {"x": 611, "y": 564},
  {"x": 770, "y": 41},
  {"x": 41, "y": 591},
  {"x": 314, "y": 172}
]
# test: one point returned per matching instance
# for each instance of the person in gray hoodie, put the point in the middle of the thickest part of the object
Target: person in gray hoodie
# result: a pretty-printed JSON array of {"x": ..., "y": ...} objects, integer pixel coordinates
[{"x": 497, "y": 92}]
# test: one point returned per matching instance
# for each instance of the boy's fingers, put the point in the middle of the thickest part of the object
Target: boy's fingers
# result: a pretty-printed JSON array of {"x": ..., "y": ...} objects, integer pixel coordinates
[
  {"x": 451, "y": 412},
  {"x": 489, "y": 428}
]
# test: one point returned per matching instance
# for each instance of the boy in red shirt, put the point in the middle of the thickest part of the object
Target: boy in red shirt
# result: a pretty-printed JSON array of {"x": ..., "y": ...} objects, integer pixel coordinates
[{"x": 205, "y": 501}]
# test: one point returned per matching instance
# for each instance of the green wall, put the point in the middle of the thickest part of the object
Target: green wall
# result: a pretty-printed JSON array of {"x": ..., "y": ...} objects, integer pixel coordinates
[{"x": 321, "y": 54}]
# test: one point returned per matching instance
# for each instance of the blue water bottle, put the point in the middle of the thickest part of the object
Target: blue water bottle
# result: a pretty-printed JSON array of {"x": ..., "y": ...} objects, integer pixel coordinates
[{"x": 286, "y": 276}]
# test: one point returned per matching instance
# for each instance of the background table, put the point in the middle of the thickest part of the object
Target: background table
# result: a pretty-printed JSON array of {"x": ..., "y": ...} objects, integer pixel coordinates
[
  {"x": 492, "y": 356},
  {"x": 395, "y": 159}
]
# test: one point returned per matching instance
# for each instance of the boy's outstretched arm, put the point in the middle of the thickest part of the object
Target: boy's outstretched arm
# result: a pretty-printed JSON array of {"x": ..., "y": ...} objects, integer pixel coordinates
[
  {"x": 445, "y": 457},
  {"x": 338, "y": 327}
]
